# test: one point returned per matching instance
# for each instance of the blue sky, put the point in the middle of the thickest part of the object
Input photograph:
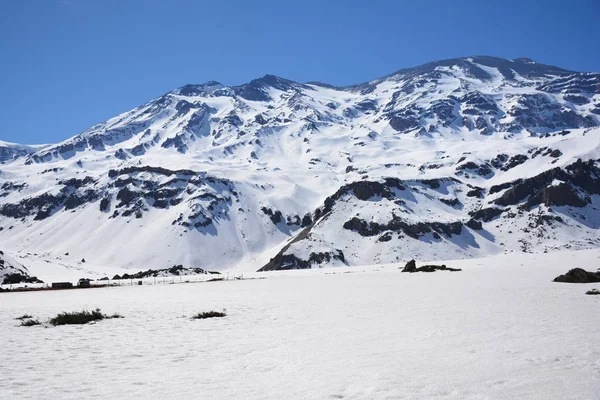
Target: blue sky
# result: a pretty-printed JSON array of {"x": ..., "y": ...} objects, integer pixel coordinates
[{"x": 68, "y": 64}]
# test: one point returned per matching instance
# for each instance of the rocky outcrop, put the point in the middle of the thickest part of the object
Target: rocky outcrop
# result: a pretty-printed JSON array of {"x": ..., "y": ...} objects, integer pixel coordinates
[
  {"x": 411, "y": 267},
  {"x": 12, "y": 272},
  {"x": 578, "y": 275},
  {"x": 396, "y": 224},
  {"x": 539, "y": 189},
  {"x": 291, "y": 261},
  {"x": 175, "y": 270}
]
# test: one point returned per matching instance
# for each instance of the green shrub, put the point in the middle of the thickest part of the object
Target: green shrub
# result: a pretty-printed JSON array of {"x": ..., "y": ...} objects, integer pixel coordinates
[
  {"x": 210, "y": 314},
  {"x": 30, "y": 322},
  {"x": 80, "y": 317},
  {"x": 593, "y": 291}
]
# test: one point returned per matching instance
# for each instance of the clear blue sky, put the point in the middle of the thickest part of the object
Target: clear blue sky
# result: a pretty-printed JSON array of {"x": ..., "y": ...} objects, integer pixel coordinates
[{"x": 68, "y": 64}]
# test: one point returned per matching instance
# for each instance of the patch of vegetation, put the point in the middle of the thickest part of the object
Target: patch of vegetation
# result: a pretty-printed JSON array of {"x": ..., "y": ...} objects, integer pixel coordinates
[
  {"x": 24, "y": 316},
  {"x": 30, "y": 322},
  {"x": 210, "y": 314},
  {"x": 80, "y": 317},
  {"x": 593, "y": 291}
]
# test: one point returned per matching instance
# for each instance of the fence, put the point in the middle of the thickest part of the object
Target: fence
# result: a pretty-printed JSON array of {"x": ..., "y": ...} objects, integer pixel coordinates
[{"x": 159, "y": 280}]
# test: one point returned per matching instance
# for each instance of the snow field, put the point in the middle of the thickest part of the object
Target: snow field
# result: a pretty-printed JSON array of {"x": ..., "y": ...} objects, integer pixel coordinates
[{"x": 499, "y": 329}]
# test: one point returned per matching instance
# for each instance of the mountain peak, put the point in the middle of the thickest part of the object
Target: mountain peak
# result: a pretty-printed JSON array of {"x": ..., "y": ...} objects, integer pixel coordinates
[
  {"x": 199, "y": 89},
  {"x": 525, "y": 60}
]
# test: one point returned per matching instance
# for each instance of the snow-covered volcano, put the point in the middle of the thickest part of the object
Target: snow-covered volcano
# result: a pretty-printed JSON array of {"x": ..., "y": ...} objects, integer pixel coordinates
[{"x": 453, "y": 159}]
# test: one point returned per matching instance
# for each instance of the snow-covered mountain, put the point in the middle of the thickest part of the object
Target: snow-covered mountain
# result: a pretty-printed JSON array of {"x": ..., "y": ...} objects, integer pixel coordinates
[
  {"x": 12, "y": 271},
  {"x": 457, "y": 158},
  {"x": 11, "y": 151}
]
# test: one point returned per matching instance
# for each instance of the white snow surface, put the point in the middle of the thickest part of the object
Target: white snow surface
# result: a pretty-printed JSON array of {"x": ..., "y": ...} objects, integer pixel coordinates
[{"x": 499, "y": 329}]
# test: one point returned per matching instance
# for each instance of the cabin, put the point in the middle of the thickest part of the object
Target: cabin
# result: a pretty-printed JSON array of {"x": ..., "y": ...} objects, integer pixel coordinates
[
  {"x": 84, "y": 283},
  {"x": 62, "y": 285}
]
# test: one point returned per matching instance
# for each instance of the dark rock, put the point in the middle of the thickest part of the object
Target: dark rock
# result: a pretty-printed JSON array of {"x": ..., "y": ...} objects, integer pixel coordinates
[
  {"x": 386, "y": 237},
  {"x": 584, "y": 175},
  {"x": 126, "y": 196},
  {"x": 432, "y": 183},
  {"x": 15, "y": 278},
  {"x": 578, "y": 275},
  {"x": 365, "y": 190},
  {"x": 410, "y": 266},
  {"x": 404, "y": 121},
  {"x": 486, "y": 214},
  {"x": 290, "y": 261},
  {"x": 499, "y": 160},
  {"x": 476, "y": 192},
  {"x": 555, "y": 153},
  {"x": 451, "y": 202},
  {"x": 260, "y": 119},
  {"x": 396, "y": 224},
  {"x": 367, "y": 105},
  {"x": 105, "y": 204},
  {"x": 503, "y": 186},
  {"x": 276, "y": 217},
  {"x": 306, "y": 221},
  {"x": 562, "y": 194},
  {"x": 474, "y": 224},
  {"x": 433, "y": 268},
  {"x": 515, "y": 161}
]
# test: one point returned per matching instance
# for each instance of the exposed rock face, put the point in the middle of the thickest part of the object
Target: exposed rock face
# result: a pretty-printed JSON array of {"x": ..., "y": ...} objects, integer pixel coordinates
[
  {"x": 291, "y": 261},
  {"x": 582, "y": 175},
  {"x": 12, "y": 151},
  {"x": 578, "y": 275},
  {"x": 486, "y": 214},
  {"x": 396, "y": 224},
  {"x": 136, "y": 189}
]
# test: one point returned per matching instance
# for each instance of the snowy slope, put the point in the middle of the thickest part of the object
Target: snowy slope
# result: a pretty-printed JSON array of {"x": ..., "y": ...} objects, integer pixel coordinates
[
  {"x": 499, "y": 329},
  {"x": 217, "y": 177},
  {"x": 12, "y": 271}
]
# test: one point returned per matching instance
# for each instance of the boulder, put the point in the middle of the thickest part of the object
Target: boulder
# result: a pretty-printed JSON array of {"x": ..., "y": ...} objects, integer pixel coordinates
[
  {"x": 578, "y": 275},
  {"x": 410, "y": 266}
]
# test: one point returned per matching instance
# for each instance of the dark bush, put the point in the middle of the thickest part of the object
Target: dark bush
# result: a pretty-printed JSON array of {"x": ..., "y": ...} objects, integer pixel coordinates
[
  {"x": 30, "y": 322},
  {"x": 209, "y": 314},
  {"x": 80, "y": 317},
  {"x": 24, "y": 316},
  {"x": 593, "y": 291}
]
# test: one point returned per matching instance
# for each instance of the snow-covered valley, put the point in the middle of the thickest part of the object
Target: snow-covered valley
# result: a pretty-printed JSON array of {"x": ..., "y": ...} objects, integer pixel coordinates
[{"x": 498, "y": 329}]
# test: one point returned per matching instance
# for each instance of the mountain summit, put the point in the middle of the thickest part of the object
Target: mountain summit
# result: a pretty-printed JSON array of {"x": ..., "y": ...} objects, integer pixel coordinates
[{"x": 452, "y": 159}]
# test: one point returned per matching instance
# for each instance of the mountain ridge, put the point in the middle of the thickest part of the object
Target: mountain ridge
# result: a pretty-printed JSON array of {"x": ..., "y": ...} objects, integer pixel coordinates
[{"x": 412, "y": 164}]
